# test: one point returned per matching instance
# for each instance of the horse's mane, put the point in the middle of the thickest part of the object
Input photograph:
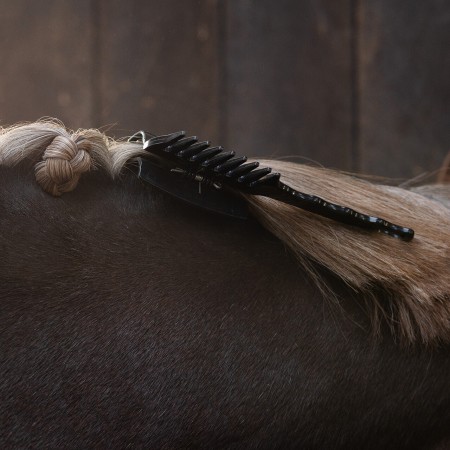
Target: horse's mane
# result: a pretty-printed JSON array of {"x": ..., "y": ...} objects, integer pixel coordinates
[{"x": 414, "y": 276}]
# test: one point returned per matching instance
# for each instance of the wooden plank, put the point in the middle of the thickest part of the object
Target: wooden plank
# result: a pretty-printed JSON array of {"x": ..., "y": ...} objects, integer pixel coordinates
[
  {"x": 159, "y": 66},
  {"x": 289, "y": 79},
  {"x": 46, "y": 61},
  {"x": 404, "y": 86}
]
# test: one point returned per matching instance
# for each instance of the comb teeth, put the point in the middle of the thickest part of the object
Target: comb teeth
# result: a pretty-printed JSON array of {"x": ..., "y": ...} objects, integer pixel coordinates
[
  {"x": 271, "y": 179},
  {"x": 200, "y": 155},
  {"x": 193, "y": 149},
  {"x": 230, "y": 165},
  {"x": 218, "y": 160},
  {"x": 206, "y": 154},
  {"x": 242, "y": 170},
  {"x": 181, "y": 144},
  {"x": 254, "y": 175}
]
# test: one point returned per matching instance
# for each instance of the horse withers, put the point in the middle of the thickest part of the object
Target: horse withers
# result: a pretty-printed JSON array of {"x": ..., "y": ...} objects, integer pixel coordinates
[{"x": 132, "y": 319}]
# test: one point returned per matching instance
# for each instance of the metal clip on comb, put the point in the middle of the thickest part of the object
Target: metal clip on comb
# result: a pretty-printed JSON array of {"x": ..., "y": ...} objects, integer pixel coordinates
[{"x": 221, "y": 170}]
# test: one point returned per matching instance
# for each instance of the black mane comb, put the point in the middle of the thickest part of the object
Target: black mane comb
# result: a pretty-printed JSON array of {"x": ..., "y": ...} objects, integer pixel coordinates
[{"x": 222, "y": 171}]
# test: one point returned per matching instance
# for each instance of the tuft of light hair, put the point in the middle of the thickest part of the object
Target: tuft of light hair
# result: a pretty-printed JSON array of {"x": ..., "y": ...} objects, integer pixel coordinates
[
  {"x": 414, "y": 275},
  {"x": 61, "y": 156}
]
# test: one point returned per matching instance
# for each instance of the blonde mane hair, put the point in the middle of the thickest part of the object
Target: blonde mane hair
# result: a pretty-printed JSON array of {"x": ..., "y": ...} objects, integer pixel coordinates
[{"x": 414, "y": 275}]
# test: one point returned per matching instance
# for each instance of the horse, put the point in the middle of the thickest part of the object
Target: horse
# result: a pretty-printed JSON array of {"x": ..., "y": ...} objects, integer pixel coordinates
[{"x": 130, "y": 319}]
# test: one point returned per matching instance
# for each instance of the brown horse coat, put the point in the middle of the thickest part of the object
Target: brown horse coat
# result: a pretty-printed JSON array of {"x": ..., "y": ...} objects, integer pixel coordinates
[{"x": 129, "y": 319}]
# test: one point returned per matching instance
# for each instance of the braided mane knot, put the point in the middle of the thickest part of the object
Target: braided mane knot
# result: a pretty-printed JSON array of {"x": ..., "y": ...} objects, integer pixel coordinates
[{"x": 63, "y": 161}]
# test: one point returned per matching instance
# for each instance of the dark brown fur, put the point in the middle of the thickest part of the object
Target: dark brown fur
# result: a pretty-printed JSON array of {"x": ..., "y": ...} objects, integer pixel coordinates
[
  {"x": 131, "y": 320},
  {"x": 414, "y": 275}
]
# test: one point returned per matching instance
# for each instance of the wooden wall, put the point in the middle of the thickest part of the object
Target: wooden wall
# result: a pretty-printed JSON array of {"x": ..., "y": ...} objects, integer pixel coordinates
[{"x": 361, "y": 85}]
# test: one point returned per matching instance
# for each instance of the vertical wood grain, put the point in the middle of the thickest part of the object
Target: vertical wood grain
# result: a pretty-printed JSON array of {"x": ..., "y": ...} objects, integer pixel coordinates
[
  {"x": 289, "y": 79},
  {"x": 159, "y": 66},
  {"x": 404, "y": 86},
  {"x": 45, "y": 51}
]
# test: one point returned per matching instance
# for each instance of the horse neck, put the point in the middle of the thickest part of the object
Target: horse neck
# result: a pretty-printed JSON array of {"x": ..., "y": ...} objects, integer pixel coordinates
[{"x": 115, "y": 285}]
